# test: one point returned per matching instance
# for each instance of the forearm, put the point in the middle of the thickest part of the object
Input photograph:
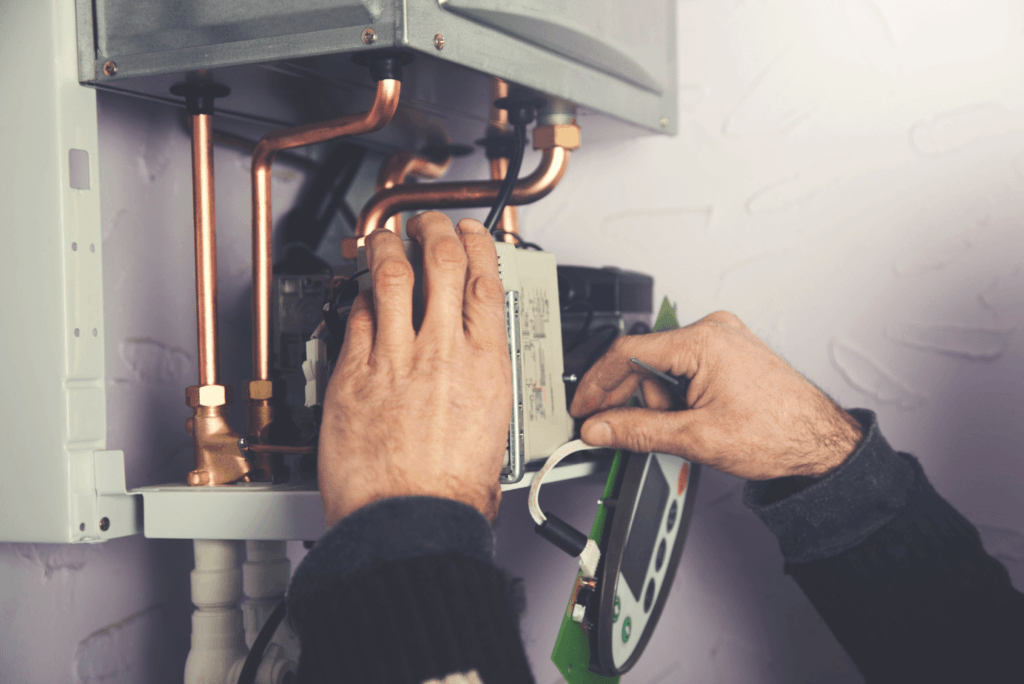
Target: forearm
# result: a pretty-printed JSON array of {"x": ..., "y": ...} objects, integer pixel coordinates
[
  {"x": 406, "y": 590},
  {"x": 904, "y": 583}
]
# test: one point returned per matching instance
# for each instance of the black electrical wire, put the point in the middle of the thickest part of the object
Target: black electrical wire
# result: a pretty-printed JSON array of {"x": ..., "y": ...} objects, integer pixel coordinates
[
  {"x": 578, "y": 336},
  {"x": 519, "y": 242},
  {"x": 255, "y": 657},
  {"x": 508, "y": 184}
]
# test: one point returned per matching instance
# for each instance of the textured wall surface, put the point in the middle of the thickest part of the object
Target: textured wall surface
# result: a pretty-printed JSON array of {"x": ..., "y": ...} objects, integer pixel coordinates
[{"x": 847, "y": 178}]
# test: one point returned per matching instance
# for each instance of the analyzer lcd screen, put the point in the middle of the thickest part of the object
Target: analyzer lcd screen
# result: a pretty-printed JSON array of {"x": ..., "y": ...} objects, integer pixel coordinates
[{"x": 643, "y": 533}]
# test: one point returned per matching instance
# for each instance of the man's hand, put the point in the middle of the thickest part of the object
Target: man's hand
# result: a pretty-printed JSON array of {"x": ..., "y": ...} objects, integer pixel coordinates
[
  {"x": 424, "y": 413},
  {"x": 749, "y": 413}
]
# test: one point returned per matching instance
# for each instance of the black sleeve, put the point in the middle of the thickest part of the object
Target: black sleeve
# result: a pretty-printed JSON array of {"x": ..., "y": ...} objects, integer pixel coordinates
[
  {"x": 405, "y": 590},
  {"x": 900, "y": 577}
]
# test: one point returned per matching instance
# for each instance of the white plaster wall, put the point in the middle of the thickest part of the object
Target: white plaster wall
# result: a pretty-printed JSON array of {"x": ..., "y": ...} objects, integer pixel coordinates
[{"x": 847, "y": 178}]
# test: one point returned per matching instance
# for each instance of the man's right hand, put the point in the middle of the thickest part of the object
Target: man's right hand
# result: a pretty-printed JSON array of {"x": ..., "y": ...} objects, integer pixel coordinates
[{"x": 748, "y": 412}]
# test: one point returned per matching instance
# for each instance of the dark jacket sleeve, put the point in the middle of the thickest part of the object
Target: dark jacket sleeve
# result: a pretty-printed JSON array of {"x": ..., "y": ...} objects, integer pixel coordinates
[
  {"x": 900, "y": 577},
  {"x": 405, "y": 590}
]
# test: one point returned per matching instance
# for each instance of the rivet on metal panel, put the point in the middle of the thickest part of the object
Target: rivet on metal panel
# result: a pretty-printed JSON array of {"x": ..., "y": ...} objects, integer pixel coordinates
[
  {"x": 110, "y": 69},
  {"x": 369, "y": 36},
  {"x": 77, "y": 332},
  {"x": 74, "y": 246},
  {"x": 92, "y": 248},
  {"x": 104, "y": 524},
  {"x": 663, "y": 121},
  {"x": 439, "y": 41},
  {"x": 81, "y": 527}
]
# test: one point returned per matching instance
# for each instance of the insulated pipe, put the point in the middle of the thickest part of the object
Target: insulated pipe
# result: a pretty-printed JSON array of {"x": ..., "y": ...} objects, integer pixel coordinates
[
  {"x": 384, "y": 105},
  {"x": 205, "y": 220},
  {"x": 387, "y": 203},
  {"x": 399, "y": 166}
]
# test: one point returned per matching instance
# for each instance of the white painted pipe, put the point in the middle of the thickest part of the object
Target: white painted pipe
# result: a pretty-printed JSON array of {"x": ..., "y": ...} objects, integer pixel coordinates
[
  {"x": 218, "y": 633},
  {"x": 265, "y": 576}
]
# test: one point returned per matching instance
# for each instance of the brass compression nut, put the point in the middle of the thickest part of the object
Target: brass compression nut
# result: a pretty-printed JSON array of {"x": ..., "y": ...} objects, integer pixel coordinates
[
  {"x": 261, "y": 390},
  {"x": 208, "y": 395},
  {"x": 556, "y": 135}
]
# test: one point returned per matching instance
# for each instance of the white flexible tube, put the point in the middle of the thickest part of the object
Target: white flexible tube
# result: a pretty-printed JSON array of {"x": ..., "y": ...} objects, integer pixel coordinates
[{"x": 554, "y": 459}]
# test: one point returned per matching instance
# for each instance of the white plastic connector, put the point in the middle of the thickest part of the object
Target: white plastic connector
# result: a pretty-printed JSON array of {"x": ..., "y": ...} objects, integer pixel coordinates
[
  {"x": 315, "y": 370},
  {"x": 589, "y": 559},
  {"x": 578, "y": 611}
]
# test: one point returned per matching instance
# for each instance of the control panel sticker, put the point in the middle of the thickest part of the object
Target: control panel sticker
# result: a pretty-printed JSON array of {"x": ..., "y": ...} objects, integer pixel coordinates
[{"x": 535, "y": 317}]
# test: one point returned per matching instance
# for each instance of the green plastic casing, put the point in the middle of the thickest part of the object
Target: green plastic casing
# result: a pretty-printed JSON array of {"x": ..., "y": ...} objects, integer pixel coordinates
[{"x": 572, "y": 646}]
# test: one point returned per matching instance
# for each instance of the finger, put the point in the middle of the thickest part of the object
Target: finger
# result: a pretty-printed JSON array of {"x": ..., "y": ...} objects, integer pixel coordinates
[
  {"x": 358, "y": 332},
  {"x": 444, "y": 272},
  {"x": 484, "y": 299},
  {"x": 393, "y": 280},
  {"x": 655, "y": 395},
  {"x": 675, "y": 352},
  {"x": 642, "y": 430}
]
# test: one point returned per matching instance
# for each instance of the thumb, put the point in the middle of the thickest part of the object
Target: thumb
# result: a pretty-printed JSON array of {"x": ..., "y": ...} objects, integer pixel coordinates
[{"x": 642, "y": 430}]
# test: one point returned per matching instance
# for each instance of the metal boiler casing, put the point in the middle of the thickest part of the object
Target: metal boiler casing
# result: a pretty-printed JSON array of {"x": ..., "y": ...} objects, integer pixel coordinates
[{"x": 612, "y": 57}]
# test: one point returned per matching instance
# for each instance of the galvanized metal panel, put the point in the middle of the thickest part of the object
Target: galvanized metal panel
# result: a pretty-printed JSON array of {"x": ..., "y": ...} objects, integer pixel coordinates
[{"x": 610, "y": 57}]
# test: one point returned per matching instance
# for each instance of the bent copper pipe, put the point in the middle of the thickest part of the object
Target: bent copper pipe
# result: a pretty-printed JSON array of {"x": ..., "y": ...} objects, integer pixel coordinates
[
  {"x": 384, "y": 105},
  {"x": 205, "y": 221},
  {"x": 537, "y": 185},
  {"x": 401, "y": 165}
]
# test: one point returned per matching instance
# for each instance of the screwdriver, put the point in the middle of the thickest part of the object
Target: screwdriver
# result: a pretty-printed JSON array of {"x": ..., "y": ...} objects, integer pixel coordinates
[{"x": 677, "y": 386}]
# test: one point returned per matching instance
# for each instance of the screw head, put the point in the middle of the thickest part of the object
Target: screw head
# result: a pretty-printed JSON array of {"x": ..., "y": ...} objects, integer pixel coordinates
[
  {"x": 369, "y": 36},
  {"x": 104, "y": 524},
  {"x": 664, "y": 122},
  {"x": 110, "y": 69},
  {"x": 439, "y": 41}
]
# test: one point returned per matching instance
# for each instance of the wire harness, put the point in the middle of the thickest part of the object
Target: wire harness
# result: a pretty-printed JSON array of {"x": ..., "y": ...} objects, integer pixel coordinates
[{"x": 554, "y": 529}]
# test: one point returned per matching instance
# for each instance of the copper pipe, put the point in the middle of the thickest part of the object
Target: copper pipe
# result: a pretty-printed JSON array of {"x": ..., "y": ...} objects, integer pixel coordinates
[
  {"x": 218, "y": 459},
  {"x": 537, "y": 185},
  {"x": 399, "y": 166},
  {"x": 205, "y": 220},
  {"x": 384, "y": 105}
]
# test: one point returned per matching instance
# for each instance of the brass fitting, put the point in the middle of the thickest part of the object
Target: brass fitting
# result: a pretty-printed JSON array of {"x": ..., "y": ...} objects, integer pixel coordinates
[
  {"x": 260, "y": 390},
  {"x": 208, "y": 395},
  {"x": 219, "y": 458},
  {"x": 556, "y": 135}
]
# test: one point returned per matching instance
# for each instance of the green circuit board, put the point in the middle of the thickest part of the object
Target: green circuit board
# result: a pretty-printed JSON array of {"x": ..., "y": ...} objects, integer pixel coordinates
[{"x": 572, "y": 646}]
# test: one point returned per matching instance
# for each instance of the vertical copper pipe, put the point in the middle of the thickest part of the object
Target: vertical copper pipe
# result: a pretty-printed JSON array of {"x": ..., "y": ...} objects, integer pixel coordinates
[
  {"x": 205, "y": 220},
  {"x": 384, "y": 105}
]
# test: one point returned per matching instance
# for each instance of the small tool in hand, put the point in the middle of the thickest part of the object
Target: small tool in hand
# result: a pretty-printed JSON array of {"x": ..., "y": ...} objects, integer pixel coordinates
[{"x": 677, "y": 386}]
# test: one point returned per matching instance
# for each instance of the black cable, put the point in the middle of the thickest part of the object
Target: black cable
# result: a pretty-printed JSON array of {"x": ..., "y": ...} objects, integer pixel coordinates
[
  {"x": 508, "y": 184},
  {"x": 577, "y": 337},
  {"x": 519, "y": 242},
  {"x": 255, "y": 657}
]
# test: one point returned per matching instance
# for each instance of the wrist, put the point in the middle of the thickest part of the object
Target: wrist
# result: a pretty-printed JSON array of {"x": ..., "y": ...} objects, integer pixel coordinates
[{"x": 837, "y": 439}]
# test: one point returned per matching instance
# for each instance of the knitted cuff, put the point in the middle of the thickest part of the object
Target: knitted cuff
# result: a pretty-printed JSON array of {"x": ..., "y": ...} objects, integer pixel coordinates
[{"x": 830, "y": 515}]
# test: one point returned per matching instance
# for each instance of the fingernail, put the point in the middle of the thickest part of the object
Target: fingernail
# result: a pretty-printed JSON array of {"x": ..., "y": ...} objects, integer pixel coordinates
[{"x": 597, "y": 434}]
